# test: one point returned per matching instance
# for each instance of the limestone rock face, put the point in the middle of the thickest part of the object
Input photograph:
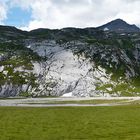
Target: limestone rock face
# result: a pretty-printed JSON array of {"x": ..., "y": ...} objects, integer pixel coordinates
[{"x": 66, "y": 73}]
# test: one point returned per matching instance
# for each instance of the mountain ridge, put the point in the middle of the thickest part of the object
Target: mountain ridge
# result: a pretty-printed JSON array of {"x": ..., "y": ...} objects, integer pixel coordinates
[
  {"x": 115, "y": 23},
  {"x": 73, "y": 61}
]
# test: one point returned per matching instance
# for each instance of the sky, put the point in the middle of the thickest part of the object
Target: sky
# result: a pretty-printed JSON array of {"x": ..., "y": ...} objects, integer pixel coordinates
[{"x": 56, "y": 14}]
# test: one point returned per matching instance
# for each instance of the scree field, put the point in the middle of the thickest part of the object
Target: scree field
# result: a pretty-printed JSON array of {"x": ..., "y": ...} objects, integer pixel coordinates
[{"x": 70, "y": 123}]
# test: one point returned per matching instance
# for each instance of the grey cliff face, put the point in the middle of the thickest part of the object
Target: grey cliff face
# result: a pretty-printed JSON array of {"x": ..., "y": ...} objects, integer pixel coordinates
[{"x": 67, "y": 73}]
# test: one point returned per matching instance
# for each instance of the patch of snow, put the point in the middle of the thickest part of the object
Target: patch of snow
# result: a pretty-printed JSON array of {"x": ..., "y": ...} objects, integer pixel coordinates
[
  {"x": 106, "y": 29},
  {"x": 5, "y": 72},
  {"x": 1, "y": 68},
  {"x": 67, "y": 95},
  {"x": 29, "y": 46},
  {"x": 109, "y": 89}
]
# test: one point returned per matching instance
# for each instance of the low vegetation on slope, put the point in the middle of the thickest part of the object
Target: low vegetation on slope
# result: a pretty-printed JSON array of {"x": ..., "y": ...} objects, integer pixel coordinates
[{"x": 16, "y": 64}]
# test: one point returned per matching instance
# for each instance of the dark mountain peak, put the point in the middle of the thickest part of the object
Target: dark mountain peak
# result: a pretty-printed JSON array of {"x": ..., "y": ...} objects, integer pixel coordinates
[
  {"x": 119, "y": 25},
  {"x": 8, "y": 28},
  {"x": 119, "y": 20}
]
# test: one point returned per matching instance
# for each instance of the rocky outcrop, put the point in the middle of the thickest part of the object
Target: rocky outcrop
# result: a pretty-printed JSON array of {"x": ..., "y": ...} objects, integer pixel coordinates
[{"x": 73, "y": 68}]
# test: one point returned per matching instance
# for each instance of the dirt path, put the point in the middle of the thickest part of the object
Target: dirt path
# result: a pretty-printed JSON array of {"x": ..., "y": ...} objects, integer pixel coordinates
[{"x": 39, "y": 102}]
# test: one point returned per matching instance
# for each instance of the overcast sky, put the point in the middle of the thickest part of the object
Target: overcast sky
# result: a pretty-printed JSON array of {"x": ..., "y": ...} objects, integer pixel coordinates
[{"x": 32, "y": 14}]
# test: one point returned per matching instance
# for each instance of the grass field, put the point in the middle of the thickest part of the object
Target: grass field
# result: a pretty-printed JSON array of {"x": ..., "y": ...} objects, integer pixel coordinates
[{"x": 70, "y": 123}]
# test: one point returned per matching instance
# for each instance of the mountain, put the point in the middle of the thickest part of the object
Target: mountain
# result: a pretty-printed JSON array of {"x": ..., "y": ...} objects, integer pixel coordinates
[
  {"x": 9, "y": 32},
  {"x": 69, "y": 61},
  {"x": 119, "y": 25}
]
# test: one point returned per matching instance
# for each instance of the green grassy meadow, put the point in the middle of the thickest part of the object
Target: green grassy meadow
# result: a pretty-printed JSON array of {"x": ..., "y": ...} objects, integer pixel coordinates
[{"x": 70, "y": 123}]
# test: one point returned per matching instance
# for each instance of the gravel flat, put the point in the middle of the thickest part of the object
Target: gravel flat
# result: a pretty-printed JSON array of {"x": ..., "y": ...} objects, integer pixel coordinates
[{"x": 39, "y": 102}]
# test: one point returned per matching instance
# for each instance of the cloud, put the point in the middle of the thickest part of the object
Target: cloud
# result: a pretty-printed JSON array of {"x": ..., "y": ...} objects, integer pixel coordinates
[
  {"x": 65, "y": 13},
  {"x": 75, "y": 13},
  {"x": 3, "y": 12}
]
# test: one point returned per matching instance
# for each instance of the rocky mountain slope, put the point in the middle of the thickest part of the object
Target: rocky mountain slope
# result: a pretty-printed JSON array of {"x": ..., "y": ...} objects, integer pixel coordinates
[
  {"x": 69, "y": 62},
  {"x": 119, "y": 25}
]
